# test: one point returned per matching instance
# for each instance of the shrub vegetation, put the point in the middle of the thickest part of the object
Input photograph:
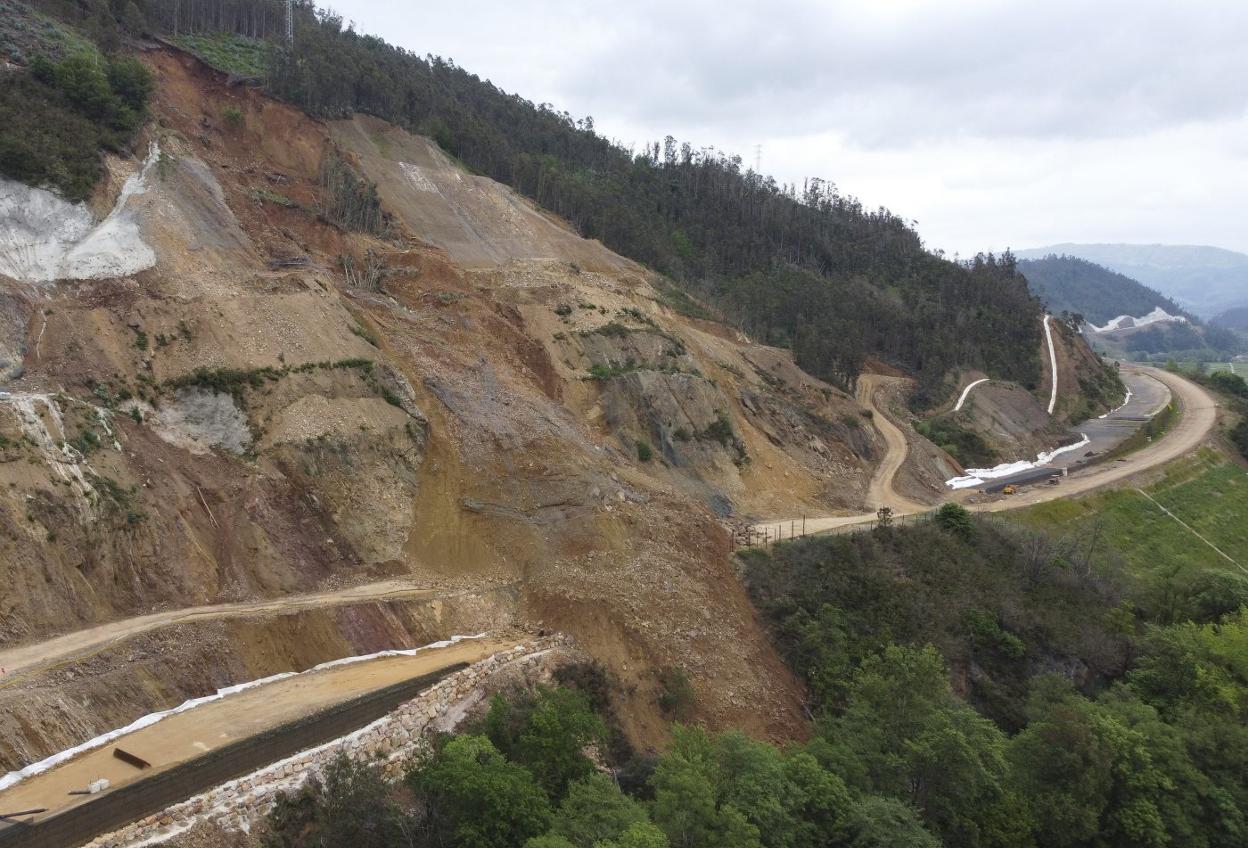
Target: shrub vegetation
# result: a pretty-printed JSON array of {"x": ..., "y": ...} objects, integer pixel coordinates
[{"x": 61, "y": 114}]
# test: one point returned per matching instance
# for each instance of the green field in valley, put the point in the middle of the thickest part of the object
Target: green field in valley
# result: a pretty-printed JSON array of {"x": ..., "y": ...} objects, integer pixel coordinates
[
  {"x": 1240, "y": 368},
  {"x": 1208, "y": 493}
]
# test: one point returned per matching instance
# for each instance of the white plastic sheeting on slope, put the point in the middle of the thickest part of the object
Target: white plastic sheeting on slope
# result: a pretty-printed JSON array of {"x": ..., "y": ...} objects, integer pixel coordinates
[
  {"x": 1048, "y": 335},
  {"x": 33, "y": 769},
  {"x": 977, "y": 476},
  {"x": 1126, "y": 322},
  {"x": 44, "y": 238},
  {"x": 966, "y": 392}
]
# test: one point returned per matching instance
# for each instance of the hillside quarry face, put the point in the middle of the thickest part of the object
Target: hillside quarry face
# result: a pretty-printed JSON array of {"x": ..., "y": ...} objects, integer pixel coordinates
[{"x": 499, "y": 401}]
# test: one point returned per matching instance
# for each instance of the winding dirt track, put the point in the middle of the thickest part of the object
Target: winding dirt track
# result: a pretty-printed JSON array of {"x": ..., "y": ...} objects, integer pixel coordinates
[
  {"x": 25, "y": 660},
  {"x": 881, "y": 491},
  {"x": 1197, "y": 416}
]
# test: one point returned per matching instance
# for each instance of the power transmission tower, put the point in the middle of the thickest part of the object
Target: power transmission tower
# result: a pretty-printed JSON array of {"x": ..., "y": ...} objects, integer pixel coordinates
[
  {"x": 758, "y": 159},
  {"x": 290, "y": 22}
]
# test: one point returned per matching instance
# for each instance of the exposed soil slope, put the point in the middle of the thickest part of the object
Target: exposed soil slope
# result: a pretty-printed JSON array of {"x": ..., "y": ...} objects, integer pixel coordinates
[
  {"x": 475, "y": 221},
  {"x": 500, "y": 401}
]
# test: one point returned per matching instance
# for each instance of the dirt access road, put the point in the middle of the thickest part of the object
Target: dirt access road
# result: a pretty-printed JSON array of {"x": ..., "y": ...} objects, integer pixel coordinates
[
  {"x": 1197, "y": 417},
  {"x": 191, "y": 734},
  {"x": 881, "y": 490},
  {"x": 25, "y": 660}
]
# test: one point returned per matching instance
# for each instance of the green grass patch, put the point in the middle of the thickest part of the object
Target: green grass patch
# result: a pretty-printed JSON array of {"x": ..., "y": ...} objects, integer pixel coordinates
[
  {"x": 366, "y": 334},
  {"x": 1238, "y": 368},
  {"x": 117, "y": 502},
  {"x": 234, "y": 54},
  {"x": 962, "y": 443},
  {"x": 679, "y": 301},
  {"x": 644, "y": 452},
  {"x": 1207, "y": 493},
  {"x": 265, "y": 195},
  {"x": 602, "y": 372},
  {"x": 236, "y": 381},
  {"x": 614, "y": 330},
  {"x": 25, "y": 33}
]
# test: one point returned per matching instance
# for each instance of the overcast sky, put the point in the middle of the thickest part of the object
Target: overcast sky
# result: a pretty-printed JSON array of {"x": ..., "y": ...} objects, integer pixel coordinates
[{"x": 993, "y": 123}]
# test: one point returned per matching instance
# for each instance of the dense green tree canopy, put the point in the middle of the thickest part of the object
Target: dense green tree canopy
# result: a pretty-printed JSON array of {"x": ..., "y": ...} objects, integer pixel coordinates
[
  {"x": 548, "y": 733},
  {"x": 480, "y": 798},
  {"x": 60, "y": 116}
]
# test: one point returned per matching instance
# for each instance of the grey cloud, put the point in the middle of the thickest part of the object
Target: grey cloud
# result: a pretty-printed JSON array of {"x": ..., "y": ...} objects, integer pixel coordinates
[
  {"x": 994, "y": 122},
  {"x": 1059, "y": 69}
]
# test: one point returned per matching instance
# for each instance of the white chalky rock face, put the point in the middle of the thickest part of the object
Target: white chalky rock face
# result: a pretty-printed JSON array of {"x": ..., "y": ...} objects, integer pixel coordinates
[{"x": 44, "y": 238}]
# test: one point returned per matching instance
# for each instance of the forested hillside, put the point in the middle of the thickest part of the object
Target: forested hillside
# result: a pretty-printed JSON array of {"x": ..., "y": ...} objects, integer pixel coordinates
[
  {"x": 1071, "y": 284},
  {"x": 807, "y": 268},
  {"x": 1232, "y": 319},
  {"x": 1108, "y": 709},
  {"x": 1204, "y": 280},
  {"x": 73, "y": 103},
  {"x": 1074, "y": 285}
]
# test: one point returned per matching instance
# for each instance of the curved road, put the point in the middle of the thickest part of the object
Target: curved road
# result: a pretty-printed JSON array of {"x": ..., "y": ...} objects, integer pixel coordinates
[{"x": 1198, "y": 414}]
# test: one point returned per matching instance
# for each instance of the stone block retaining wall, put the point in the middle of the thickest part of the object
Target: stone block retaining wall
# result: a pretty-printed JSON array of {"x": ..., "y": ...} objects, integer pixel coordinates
[{"x": 391, "y": 741}]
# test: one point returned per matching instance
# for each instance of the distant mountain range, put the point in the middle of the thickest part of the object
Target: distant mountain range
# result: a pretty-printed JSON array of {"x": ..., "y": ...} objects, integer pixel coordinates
[
  {"x": 1203, "y": 280},
  {"x": 1232, "y": 319}
]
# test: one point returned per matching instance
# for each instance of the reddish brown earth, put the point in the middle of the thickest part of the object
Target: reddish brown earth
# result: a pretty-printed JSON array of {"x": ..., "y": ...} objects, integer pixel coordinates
[{"x": 476, "y": 450}]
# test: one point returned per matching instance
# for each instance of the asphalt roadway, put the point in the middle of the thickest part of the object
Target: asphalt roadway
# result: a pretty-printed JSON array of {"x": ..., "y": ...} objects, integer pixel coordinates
[{"x": 1148, "y": 397}]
